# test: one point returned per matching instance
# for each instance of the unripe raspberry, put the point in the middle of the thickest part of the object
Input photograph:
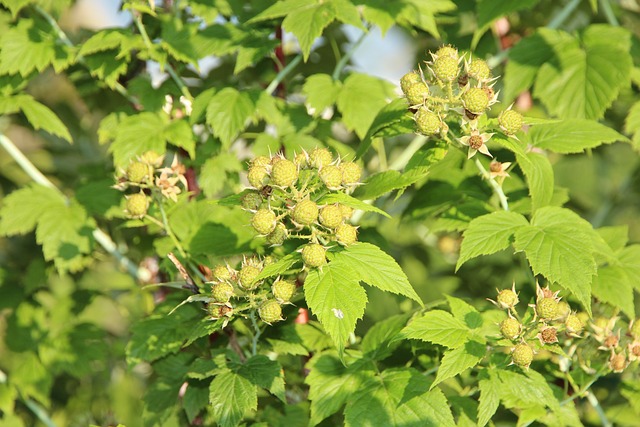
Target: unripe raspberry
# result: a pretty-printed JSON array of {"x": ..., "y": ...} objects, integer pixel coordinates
[
  {"x": 262, "y": 161},
  {"x": 264, "y": 221},
  {"x": 409, "y": 79},
  {"x": 346, "y": 234},
  {"x": 522, "y": 355},
  {"x": 138, "y": 172},
  {"x": 475, "y": 100},
  {"x": 268, "y": 260},
  {"x": 634, "y": 329},
  {"x": 347, "y": 211},
  {"x": 618, "y": 362},
  {"x": 548, "y": 336},
  {"x": 284, "y": 173},
  {"x": 258, "y": 176},
  {"x": 283, "y": 290},
  {"x": 301, "y": 160},
  {"x": 564, "y": 309},
  {"x": 447, "y": 51},
  {"x": 330, "y": 216},
  {"x": 507, "y": 298},
  {"x": 221, "y": 272},
  {"x": 510, "y": 328},
  {"x": 331, "y": 176},
  {"x": 247, "y": 276},
  {"x": 270, "y": 311},
  {"x": 479, "y": 70},
  {"x": 314, "y": 255},
  {"x": 305, "y": 212},
  {"x": 351, "y": 173},
  {"x": 278, "y": 235},
  {"x": 222, "y": 292},
  {"x": 445, "y": 68},
  {"x": 417, "y": 93},
  {"x": 217, "y": 311},
  {"x": 427, "y": 122},
  {"x": 601, "y": 322},
  {"x": 320, "y": 157},
  {"x": 137, "y": 205},
  {"x": 510, "y": 121},
  {"x": 573, "y": 324},
  {"x": 251, "y": 200},
  {"x": 547, "y": 308}
]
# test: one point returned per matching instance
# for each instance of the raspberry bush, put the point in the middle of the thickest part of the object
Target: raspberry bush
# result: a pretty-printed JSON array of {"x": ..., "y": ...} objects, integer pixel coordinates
[{"x": 240, "y": 212}]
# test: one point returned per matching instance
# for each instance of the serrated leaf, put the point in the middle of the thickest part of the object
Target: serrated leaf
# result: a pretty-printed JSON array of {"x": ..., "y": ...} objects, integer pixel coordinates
[
  {"x": 228, "y": 113},
  {"x": 22, "y": 208},
  {"x": 459, "y": 359},
  {"x": 398, "y": 397},
  {"x": 379, "y": 341},
  {"x": 438, "y": 327},
  {"x": 39, "y": 115},
  {"x": 370, "y": 264},
  {"x": 613, "y": 286},
  {"x": 178, "y": 41},
  {"x": 465, "y": 312},
  {"x": 558, "y": 246},
  {"x": 629, "y": 259},
  {"x": 406, "y": 13},
  {"x": 106, "y": 66},
  {"x": 281, "y": 266},
  {"x": 488, "y": 11},
  {"x": 572, "y": 136},
  {"x": 215, "y": 169},
  {"x": 334, "y": 296},
  {"x": 15, "y": 6},
  {"x": 361, "y": 98},
  {"x": 539, "y": 173},
  {"x": 265, "y": 373},
  {"x": 585, "y": 80},
  {"x": 136, "y": 135},
  {"x": 179, "y": 133},
  {"x": 489, "y": 400},
  {"x": 489, "y": 234},
  {"x": 352, "y": 202},
  {"x": 390, "y": 115},
  {"x": 524, "y": 390},
  {"x": 321, "y": 91},
  {"x": 632, "y": 125},
  {"x": 195, "y": 399},
  {"x": 231, "y": 396}
]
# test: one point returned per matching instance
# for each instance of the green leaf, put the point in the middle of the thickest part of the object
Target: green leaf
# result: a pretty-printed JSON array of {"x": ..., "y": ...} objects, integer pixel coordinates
[
  {"x": 332, "y": 384},
  {"x": 489, "y": 400},
  {"x": 629, "y": 259},
  {"x": 406, "y": 13},
  {"x": 231, "y": 396},
  {"x": 379, "y": 341},
  {"x": 488, "y": 11},
  {"x": 41, "y": 117},
  {"x": 489, "y": 234},
  {"x": 15, "y": 6},
  {"x": 460, "y": 359},
  {"x": 558, "y": 246},
  {"x": 361, "y": 98},
  {"x": 398, "y": 397},
  {"x": 334, "y": 295},
  {"x": 265, "y": 373},
  {"x": 612, "y": 285},
  {"x": 352, "y": 202},
  {"x": 373, "y": 266},
  {"x": 632, "y": 125},
  {"x": 584, "y": 81},
  {"x": 523, "y": 391},
  {"x": 215, "y": 171},
  {"x": 178, "y": 41},
  {"x": 228, "y": 113},
  {"x": 281, "y": 266},
  {"x": 22, "y": 209},
  {"x": 321, "y": 92},
  {"x": 572, "y": 136},
  {"x": 539, "y": 173},
  {"x": 107, "y": 66},
  {"x": 465, "y": 312},
  {"x": 438, "y": 327},
  {"x": 393, "y": 115},
  {"x": 195, "y": 399}
]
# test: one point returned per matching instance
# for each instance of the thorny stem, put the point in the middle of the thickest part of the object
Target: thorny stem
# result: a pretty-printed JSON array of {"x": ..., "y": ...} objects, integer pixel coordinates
[
  {"x": 347, "y": 56},
  {"x": 172, "y": 72},
  {"x": 101, "y": 237}
]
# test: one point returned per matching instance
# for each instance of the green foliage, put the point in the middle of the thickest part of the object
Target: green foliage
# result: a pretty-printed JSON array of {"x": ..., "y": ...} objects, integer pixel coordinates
[{"x": 147, "y": 226}]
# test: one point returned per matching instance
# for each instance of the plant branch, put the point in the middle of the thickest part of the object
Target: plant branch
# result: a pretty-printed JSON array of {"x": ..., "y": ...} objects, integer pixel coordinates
[
  {"x": 282, "y": 74},
  {"x": 101, "y": 237},
  {"x": 347, "y": 56},
  {"x": 256, "y": 335},
  {"x": 497, "y": 188},
  {"x": 608, "y": 12},
  {"x": 593, "y": 400},
  {"x": 563, "y": 14},
  {"x": 167, "y": 229}
]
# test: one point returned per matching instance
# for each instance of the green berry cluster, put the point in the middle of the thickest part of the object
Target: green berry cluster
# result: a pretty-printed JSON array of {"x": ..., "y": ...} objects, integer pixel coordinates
[{"x": 451, "y": 94}]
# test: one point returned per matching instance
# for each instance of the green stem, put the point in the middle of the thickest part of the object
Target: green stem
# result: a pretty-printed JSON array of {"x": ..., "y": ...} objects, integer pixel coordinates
[
  {"x": 382, "y": 154},
  {"x": 256, "y": 335},
  {"x": 172, "y": 72},
  {"x": 596, "y": 405},
  {"x": 494, "y": 184},
  {"x": 567, "y": 10},
  {"x": 282, "y": 74},
  {"x": 608, "y": 12},
  {"x": 347, "y": 56},
  {"x": 101, "y": 237},
  {"x": 167, "y": 229},
  {"x": 401, "y": 161},
  {"x": 39, "y": 412}
]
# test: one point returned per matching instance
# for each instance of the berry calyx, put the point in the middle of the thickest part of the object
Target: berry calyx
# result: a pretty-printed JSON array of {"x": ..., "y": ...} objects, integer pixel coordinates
[
  {"x": 305, "y": 212},
  {"x": 522, "y": 355},
  {"x": 330, "y": 216},
  {"x": 427, "y": 122},
  {"x": 548, "y": 336},
  {"x": 573, "y": 324},
  {"x": 346, "y": 234},
  {"x": 445, "y": 68},
  {"x": 479, "y": 70},
  {"x": 314, "y": 255},
  {"x": 284, "y": 173},
  {"x": 222, "y": 292},
  {"x": 618, "y": 362},
  {"x": 351, "y": 173},
  {"x": 247, "y": 276},
  {"x": 510, "y": 328},
  {"x": 409, "y": 79},
  {"x": 138, "y": 172},
  {"x": 270, "y": 311},
  {"x": 217, "y": 311},
  {"x": 510, "y": 122},
  {"x": 475, "y": 100},
  {"x": 137, "y": 205},
  {"x": 331, "y": 176},
  {"x": 547, "y": 308},
  {"x": 258, "y": 176},
  {"x": 320, "y": 157},
  {"x": 278, "y": 235},
  {"x": 417, "y": 93},
  {"x": 251, "y": 200},
  {"x": 264, "y": 221},
  {"x": 283, "y": 290}
]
